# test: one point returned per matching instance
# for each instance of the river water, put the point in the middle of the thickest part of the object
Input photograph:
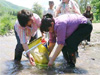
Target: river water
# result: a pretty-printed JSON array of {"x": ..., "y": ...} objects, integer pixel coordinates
[{"x": 88, "y": 62}]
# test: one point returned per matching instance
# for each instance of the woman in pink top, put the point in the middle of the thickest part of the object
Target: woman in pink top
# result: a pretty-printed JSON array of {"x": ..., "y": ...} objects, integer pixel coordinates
[
  {"x": 67, "y": 6},
  {"x": 25, "y": 31}
]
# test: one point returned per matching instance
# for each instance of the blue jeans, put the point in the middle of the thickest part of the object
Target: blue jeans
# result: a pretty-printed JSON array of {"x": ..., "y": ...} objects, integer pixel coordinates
[{"x": 19, "y": 48}]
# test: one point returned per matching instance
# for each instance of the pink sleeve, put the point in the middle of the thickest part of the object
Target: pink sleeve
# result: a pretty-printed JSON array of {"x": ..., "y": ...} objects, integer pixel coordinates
[
  {"x": 20, "y": 32},
  {"x": 52, "y": 37},
  {"x": 38, "y": 20},
  {"x": 22, "y": 36}
]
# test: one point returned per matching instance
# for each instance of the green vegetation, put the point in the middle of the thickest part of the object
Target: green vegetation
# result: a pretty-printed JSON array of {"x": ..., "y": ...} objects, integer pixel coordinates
[
  {"x": 6, "y": 23},
  {"x": 9, "y": 5},
  {"x": 95, "y": 4},
  {"x": 96, "y": 10},
  {"x": 37, "y": 9},
  {"x": 8, "y": 12}
]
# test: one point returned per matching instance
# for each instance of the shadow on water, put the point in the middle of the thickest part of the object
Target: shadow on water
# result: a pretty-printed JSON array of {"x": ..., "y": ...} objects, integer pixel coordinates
[
  {"x": 12, "y": 68},
  {"x": 24, "y": 68},
  {"x": 61, "y": 67}
]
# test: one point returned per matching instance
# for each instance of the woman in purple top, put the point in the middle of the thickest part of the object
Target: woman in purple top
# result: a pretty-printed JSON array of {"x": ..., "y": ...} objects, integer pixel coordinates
[{"x": 68, "y": 30}]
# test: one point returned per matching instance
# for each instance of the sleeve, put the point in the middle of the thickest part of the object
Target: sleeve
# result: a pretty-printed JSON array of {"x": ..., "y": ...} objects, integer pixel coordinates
[
  {"x": 38, "y": 20},
  {"x": 22, "y": 36},
  {"x": 76, "y": 7},
  {"x": 52, "y": 37},
  {"x": 61, "y": 34},
  {"x": 20, "y": 32},
  {"x": 58, "y": 10}
]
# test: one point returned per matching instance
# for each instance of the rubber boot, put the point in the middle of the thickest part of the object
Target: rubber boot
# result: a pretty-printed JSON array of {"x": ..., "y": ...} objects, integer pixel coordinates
[{"x": 72, "y": 60}]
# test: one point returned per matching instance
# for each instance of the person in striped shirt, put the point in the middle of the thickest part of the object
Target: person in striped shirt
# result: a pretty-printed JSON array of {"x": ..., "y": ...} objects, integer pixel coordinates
[{"x": 25, "y": 31}]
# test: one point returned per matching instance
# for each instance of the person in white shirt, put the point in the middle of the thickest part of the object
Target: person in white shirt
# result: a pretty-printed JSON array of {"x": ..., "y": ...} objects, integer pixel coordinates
[{"x": 50, "y": 10}]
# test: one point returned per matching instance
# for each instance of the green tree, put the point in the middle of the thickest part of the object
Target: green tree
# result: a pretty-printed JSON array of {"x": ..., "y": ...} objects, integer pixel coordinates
[
  {"x": 96, "y": 8},
  {"x": 37, "y": 9},
  {"x": 96, "y": 5},
  {"x": 8, "y": 12},
  {"x": 83, "y": 4}
]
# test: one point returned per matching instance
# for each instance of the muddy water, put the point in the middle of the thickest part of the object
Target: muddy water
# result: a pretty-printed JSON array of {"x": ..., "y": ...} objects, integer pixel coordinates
[{"x": 88, "y": 62}]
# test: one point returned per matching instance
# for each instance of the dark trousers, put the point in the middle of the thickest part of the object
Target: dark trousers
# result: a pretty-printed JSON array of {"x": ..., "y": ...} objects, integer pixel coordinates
[
  {"x": 88, "y": 38},
  {"x": 19, "y": 48},
  {"x": 77, "y": 36}
]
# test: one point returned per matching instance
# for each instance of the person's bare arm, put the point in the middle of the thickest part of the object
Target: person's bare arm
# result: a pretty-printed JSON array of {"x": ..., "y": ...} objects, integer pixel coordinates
[
  {"x": 56, "y": 53},
  {"x": 76, "y": 8},
  {"x": 31, "y": 59},
  {"x": 57, "y": 11},
  {"x": 25, "y": 46},
  {"x": 51, "y": 46}
]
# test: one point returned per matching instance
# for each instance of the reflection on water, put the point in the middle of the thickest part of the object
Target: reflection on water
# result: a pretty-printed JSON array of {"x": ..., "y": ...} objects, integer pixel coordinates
[
  {"x": 24, "y": 68},
  {"x": 88, "y": 61},
  {"x": 13, "y": 68}
]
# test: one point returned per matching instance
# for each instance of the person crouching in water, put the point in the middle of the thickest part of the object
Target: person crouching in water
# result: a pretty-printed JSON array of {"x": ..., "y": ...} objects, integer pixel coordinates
[
  {"x": 68, "y": 30},
  {"x": 25, "y": 29}
]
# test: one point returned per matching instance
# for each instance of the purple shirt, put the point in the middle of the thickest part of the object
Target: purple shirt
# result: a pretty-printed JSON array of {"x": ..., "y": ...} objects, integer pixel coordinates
[{"x": 64, "y": 26}]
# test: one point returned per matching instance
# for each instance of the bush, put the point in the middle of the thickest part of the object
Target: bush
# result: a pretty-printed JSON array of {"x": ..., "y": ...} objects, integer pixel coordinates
[
  {"x": 37, "y": 9},
  {"x": 6, "y": 23},
  {"x": 96, "y": 18}
]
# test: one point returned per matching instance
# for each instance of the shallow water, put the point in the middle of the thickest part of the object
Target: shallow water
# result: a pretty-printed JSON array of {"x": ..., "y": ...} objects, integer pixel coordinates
[
  {"x": 24, "y": 68},
  {"x": 88, "y": 62},
  {"x": 83, "y": 66}
]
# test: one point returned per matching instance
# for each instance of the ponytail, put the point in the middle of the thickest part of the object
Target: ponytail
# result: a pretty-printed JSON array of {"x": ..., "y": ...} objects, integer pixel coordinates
[{"x": 46, "y": 22}]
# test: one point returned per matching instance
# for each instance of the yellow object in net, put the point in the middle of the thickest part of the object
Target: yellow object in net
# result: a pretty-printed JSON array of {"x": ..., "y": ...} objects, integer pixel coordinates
[{"x": 40, "y": 53}]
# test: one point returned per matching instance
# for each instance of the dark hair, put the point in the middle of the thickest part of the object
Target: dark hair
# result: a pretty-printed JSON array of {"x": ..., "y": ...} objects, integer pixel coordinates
[
  {"x": 23, "y": 17},
  {"x": 51, "y": 2},
  {"x": 46, "y": 22},
  {"x": 88, "y": 7}
]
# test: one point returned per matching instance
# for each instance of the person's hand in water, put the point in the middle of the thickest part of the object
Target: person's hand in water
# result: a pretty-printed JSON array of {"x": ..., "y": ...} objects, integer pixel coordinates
[
  {"x": 31, "y": 59},
  {"x": 50, "y": 63}
]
